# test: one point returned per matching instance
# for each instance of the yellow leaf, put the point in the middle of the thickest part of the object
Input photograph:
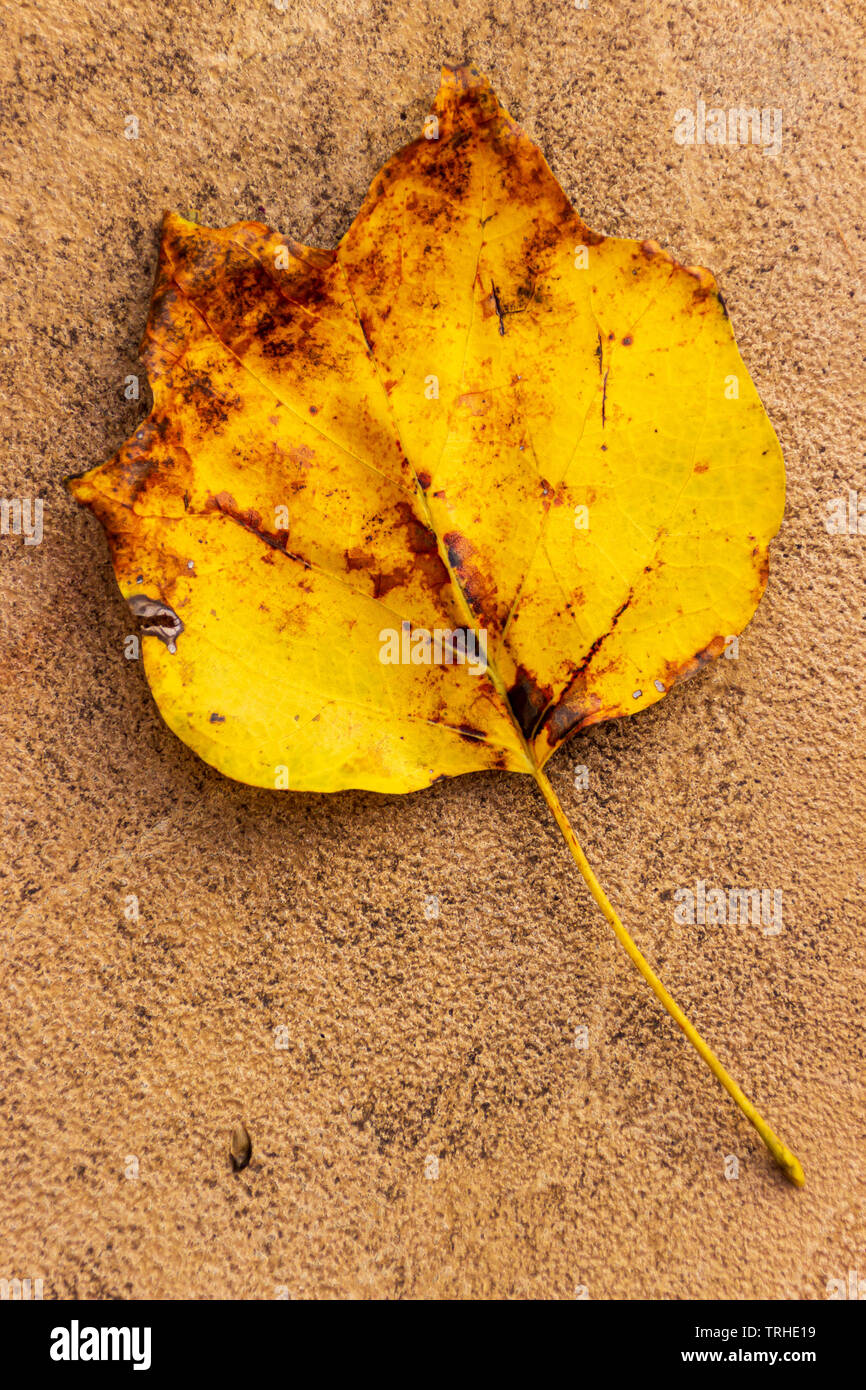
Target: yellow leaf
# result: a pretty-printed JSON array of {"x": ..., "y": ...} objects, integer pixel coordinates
[{"x": 436, "y": 500}]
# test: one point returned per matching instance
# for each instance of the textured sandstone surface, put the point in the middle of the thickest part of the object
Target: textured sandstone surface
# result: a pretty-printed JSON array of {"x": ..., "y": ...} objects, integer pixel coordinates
[{"x": 132, "y": 1048}]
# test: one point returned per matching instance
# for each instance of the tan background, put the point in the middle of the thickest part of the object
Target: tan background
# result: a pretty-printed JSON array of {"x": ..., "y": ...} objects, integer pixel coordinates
[{"x": 409, "y": 1037}]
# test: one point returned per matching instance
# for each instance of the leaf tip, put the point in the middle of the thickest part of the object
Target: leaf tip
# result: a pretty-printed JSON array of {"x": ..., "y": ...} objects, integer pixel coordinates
[
  {"x": 464, "y": 85},
  {"x": 79, "y": 486}
]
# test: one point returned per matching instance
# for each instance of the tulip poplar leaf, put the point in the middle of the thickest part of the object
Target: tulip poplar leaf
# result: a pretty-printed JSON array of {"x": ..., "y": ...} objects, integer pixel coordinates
[{"x": 476, "y": 427}]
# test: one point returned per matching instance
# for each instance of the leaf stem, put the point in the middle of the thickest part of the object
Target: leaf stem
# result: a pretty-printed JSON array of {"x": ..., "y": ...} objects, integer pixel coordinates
[{"x": 783, "y": 1156}]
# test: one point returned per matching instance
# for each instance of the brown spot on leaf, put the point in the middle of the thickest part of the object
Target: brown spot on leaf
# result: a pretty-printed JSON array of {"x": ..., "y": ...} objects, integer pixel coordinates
[
  {"x": 528, "y": 701},
  {"x": 357, "y": 559},
  {"x": 476, "y": 402},
  {"x": 419, "y": 538},
  {"x": 571, "y": 715},
  {"x": 674, "y": 674},
  {"x": 477, "y": 586},
  {"x": 225, "y": 504}
]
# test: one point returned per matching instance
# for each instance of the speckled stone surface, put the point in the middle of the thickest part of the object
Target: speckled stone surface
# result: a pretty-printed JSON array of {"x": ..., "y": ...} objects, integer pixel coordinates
[{"x": 283, "y": 969}]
